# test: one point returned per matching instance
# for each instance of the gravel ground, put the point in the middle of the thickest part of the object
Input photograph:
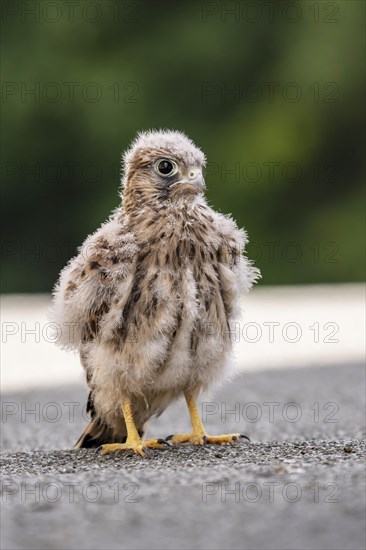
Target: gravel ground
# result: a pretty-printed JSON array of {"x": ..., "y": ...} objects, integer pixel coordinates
[{"x": 299, "y": 484}]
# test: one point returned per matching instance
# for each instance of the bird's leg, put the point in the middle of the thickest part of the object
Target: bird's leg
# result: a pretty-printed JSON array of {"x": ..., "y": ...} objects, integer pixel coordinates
[
  {"x": 198, "y": 436},
  {"x": 133, "y": 441}
]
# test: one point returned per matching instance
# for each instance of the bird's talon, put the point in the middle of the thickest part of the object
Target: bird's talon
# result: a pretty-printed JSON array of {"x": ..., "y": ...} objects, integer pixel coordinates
[{"x": 163, "y": 442}]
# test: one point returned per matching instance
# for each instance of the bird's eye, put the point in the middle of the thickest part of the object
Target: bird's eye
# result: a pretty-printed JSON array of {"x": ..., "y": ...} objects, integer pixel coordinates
[{"x": 166, "y": 167}]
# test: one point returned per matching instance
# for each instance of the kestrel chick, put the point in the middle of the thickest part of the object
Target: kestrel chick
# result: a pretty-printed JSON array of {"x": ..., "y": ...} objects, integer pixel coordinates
[{"x": 151, "y": 295}]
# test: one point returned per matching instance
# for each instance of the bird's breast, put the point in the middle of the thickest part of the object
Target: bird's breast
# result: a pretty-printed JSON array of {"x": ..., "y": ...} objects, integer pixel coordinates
[{"x": 175, "y": 290}]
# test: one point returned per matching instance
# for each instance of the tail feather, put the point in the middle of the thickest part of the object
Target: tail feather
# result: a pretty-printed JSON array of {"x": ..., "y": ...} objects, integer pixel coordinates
[{"x": 96, "y": 434}]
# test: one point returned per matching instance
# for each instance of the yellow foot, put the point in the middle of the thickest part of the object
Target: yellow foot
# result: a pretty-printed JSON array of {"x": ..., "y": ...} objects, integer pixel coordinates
[
  {"x": 139, "y": 447},
  {"x": 203, "y": 439},
  {"x": 228, "y": 439},
  {"x": 192, "y": 438}
]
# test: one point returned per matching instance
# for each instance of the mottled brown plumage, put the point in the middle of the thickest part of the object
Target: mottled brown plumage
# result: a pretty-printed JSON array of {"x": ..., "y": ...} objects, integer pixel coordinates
[{"x": 151, "y": 294}]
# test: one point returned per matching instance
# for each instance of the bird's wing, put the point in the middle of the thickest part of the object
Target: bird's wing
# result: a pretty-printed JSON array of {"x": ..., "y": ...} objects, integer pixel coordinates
[
  {"x": 100, "y": 273},
  {"x": 237, "y": 274}
]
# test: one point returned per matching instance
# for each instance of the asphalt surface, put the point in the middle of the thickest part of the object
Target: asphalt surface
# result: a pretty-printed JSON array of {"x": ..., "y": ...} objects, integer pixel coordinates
[{"x": 299, "y": 484}]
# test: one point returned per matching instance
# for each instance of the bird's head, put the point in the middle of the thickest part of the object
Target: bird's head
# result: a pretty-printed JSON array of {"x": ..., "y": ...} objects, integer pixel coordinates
[{"x": 162, "y": 165}]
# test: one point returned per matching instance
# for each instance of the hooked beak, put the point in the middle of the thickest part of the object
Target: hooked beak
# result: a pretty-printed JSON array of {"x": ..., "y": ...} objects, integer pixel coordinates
[
  {"x": 194, "y": 178},
  {"x": 198, "y": 182}
]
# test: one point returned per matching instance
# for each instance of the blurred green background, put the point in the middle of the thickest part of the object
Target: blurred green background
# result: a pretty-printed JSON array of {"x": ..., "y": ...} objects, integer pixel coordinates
[{"x": 271, "y": 91}]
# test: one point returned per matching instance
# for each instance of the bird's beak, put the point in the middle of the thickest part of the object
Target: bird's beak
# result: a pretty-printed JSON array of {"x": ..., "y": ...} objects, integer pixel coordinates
[
  {"x": 196, "y": 179},
  {"x": 199, "y": 182}
]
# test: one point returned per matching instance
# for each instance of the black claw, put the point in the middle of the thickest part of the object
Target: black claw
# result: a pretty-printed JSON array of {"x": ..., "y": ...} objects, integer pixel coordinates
[
  {"x": 163, "y": 441},
  {"x": 234, "y": 438},
  {"x": 169, "y": 437},
  {"x": 205, "y": 439},
  {"x": 243, "y": 436}
]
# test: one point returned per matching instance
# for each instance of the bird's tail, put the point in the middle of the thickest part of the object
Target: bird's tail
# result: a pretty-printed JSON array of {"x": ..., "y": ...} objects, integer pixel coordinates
[{"x": 97, "y": 433}]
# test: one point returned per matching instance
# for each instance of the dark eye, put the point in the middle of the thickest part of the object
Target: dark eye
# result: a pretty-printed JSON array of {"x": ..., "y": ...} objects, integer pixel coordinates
[{"x": 166, "y": 167}]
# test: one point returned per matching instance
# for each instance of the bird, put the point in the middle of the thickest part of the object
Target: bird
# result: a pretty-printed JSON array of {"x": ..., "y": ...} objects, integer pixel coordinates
[{"x": 150, "y": 298}]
